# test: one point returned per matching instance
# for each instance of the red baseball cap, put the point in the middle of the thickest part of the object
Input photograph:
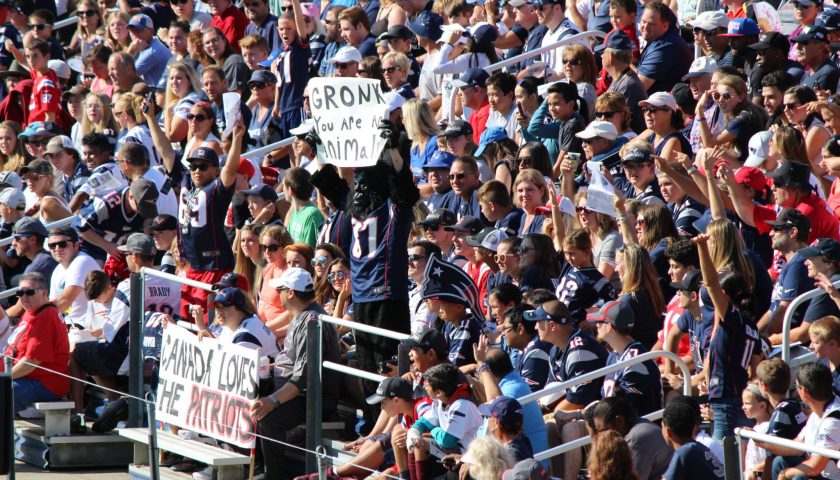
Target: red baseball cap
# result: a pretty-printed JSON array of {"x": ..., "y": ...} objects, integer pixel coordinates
[{"x": 752, "y": 177}]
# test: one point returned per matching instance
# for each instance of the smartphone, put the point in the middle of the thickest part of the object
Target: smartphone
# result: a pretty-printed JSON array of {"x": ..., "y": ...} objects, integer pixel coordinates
[
  {"x": 150, "y": 98},
  {"x": 521, "y": 110}
]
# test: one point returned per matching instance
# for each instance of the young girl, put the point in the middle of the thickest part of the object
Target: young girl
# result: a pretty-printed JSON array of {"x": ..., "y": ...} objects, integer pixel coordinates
[
  {"x": 581, "y": 284},
  {"x": 756, "y": 407}
]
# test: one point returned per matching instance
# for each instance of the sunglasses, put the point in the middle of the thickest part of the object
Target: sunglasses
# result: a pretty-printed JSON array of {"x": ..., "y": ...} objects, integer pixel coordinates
[
  {"x": 285, "y": 9},
  {"x": 201, "y": 167},
  {"x": 604, "y": 114},
  {"x": 641, "y": 221},
  {"x": 791, "y": 106},
  {"x": 362, "y": 72},
  {"x": 414, "y": 257},
  {"x": 198, "y": 118},
  {"x": 85, "y": 13},
  {"x": 582, "y": 210},
  {"x": 28, "y": 292},
  {"x": 21, "y": 236},
  {"x": 725, "y": 96},
  {"x": 90, "y": 76},
  {"x": 342, "y": 66},
  {"x": 587, "y": 141},
  {"x": 320, "y": 260},
  {"x": 39, "y": 26},
  {"x": 652, "y": 110},
  {"x": 175, "y": 2},
  {"x": 271, "y": 247},
  {"x": 571, "y": 61},
  {"x": 525, "y": 160},
  {"x": 500, "y": 258},
  {"x": 457, "y": 176},
  {"x": 330, "y": 22},
  {"x": 431, "y": 228},
  {"x": 59, "y": 244},
  {"x": 798, "y": 5},
  {"x": 38, "y": 143},
  {"x": 336, "y": 276},
  {"x": 390, "y": 69},
  {"x": 255, "y": 86}
]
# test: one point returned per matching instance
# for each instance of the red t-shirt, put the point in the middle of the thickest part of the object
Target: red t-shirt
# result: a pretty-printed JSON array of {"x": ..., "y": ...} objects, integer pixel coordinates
[
  {"x": 834, "y": 197},
  {"x": 232, "y": 23},
  {"x": 42, "y": 336},
  {"x": 46, "y": 97},
  {"x": 823, "y": 223},
  {"x": 672, "y": 314},
  {"x": 478, "y": 121}
]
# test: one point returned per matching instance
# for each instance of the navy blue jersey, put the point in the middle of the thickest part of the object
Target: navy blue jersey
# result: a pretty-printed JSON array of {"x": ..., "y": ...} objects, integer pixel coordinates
[
  {"x": 583, "y": 354},
  {"x": 76, "y": 181},
  {"x": 731, "y": 348},
  {"x": 469, "y": 207},
  {"x": 461, "y": 339},
  {"x": 793, "y": 281},
  {"x": 106, "y": 215},
  {"x": 512, "y": 220},
  {"x": 822, "y": 306},
  {"x": 534, "y": 277},
  {"x": 698, "y": 331},
  {"x": 786, "y": 420},
  {"x": 338, "y": 230},
  {"x": 581, "y": 288},
  {"x": 202, "y": 212},
  {"x": 693, "y": 461},
  {"x": 9, "y": 32},
  {"x": 640, "y": 384},
  {"x": 660, "y": 263},
  {"x": 648, "y": 323},
  {"x": 685, "y": 213},
  {"x": 292, "y": 74},
  {"x": 439, "y": 201},
  {"x": 533, "y": 363},
  {"x": 378, "y": 257}
]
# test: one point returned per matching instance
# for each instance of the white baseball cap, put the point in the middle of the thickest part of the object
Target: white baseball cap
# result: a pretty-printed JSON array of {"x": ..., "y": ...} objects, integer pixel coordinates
[
  {"x": 61, "y": 69},
  {"x": 305, "y": 127},
  {"x": 660, "y": 99},
  {"x": 12, "y": 198},
  {"x": 293, "y": 278},
  {"x": 759, "y": 148},
  {"x": 710, "y": 20},
  {"x": 598, "y": 129},
  {"x": 347, "y": 54},
  {"x": 11, "y": 179},
  {"x": 701, "y": 66}
]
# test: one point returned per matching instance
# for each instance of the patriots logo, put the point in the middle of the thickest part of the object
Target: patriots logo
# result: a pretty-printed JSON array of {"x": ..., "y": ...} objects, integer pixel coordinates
[{"x": 448, "y": 281}]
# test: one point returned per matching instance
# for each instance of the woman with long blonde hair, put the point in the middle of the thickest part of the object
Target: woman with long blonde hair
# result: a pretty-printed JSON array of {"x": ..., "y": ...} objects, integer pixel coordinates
[
  {"x": 117, "y": 36},
  {"x": 419, "y": 121},
  {"x": 641, "y": 292},
  {"x": 273, "y": 242},
  {"x": 182, "y": 92},
  {"x": 727, "y": 249},
  {"x": 606, "y": 239},
  {"x": 610, "y": 458},
  {"x": 128, "y": 111},
  {"x": 12, "y": 154},
  {"x": 97, "y": 116},
  {"x": 529, "y": 192}
]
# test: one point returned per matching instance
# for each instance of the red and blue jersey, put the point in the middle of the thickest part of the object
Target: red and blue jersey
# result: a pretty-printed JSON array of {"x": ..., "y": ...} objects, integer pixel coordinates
[
  {"x": 698, "y": 331},
  {"x": 378, "y": 254},
  {"x": 731, "y": 349},
  {"x": 461, "y": 339},
  {"x": 106, "y": 215},
  {"x": 580, "y": 288},
  {"x": 292, "y": 70},
  {"x": 786, "y": 420},
  {"x": 201, "y": 236},
  {"x": 583, "y": 354},
  {"x": 640, "y": 384}
]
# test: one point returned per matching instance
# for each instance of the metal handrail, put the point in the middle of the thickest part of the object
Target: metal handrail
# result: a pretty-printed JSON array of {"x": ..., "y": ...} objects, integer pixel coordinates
[
  {"x": 364, "y": 328},
  {"x": 353, "y": 371},
  {"x": 788, "y": 318},
  {"x": 175, "y": 278},
  {"x": 51, "y": 225},
  {"x": 66, "y": 22},
  {"x": 259, "y": 152},
  {"x": 541, "y": 50},
  {"x": 9, "y": 293},
  {"x": 784, "y": 442}
]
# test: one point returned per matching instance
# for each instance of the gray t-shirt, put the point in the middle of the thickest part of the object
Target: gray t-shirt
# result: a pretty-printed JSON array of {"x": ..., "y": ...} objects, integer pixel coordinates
[
  {"x": 606, "y": 251},
  {"x": 650, "y": 452},
  {"x": 631, "y": 88}
]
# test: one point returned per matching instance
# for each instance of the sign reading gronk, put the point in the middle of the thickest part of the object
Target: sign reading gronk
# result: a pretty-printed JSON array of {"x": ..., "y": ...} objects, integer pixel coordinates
[
  {"x": 207, "y": 387},
  {"x": 347, "y": 112}
]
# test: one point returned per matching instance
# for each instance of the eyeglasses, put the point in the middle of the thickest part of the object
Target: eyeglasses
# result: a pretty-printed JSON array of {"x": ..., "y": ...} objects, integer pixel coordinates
[
  {"x": 361, "y": 72},
  {"x": 708, "y": 33},
  {"x": 58, "y": 244},
  {"x": 604, "y": 114},
  {"x": 431, "y": 228},
  {"x": 457, "y": 176},
  {"x": 38, "y": 26},
  {"x": 85, "y": 13},
  {"x": 589, "y": 140},
  {"x": 175, "y": 2},
  {"x": 525, "y": 160},
  {"x": 198, "y": 118},
  {"x": 725, "y": 96},
  {"x": 330, "y": 22},
  {"x": 285, "y": 9},
  {"x": 272, "y": 247},
  {"x": 501, "y": 257},
  {"x": 390, "y": 69},
  {"x": 342, "y": 66},
  {"x": 582, "y": 210},
  {"x": 652, "y": 110},
  {"x": 414, "y": 257},
  {"x": 571, "y": 61},
  {"x": 791, "y": 106},
  {"x": 201, "y": 167},
  {"x": 523, "y": 250},
  {"x": 29, "y": 292},
  {"x": 340, "y": 275}
]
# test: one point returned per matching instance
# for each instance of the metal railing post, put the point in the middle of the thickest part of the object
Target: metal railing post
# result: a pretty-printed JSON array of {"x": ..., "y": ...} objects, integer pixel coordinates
[
  {"x": 135, "y": 351},
  {"x": 9, "y": 444},
  {"x": 154, "y": 472},
  {"x": 731, "y": 459},
  {"x": 313, "y": 392}
]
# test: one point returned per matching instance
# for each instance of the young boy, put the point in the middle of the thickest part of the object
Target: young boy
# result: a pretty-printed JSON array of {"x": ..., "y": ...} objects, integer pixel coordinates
[
  {"x": 254, "y": 51},
  {"x": 41, "y": 25},
  {"x": 45, "y": 102},
  {"x": 682, "y": 258},
  {"x": 500, "y": 92},
  {"x": 825, "y": 342},
  {"x": 787, "y": 418},
  {"x": 691, "y": 460},
  {"x": 496, "y": 206}
]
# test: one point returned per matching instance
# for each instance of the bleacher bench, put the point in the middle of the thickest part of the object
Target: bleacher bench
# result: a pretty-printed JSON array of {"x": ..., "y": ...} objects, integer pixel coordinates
[
  {"x": 56, "y": 417},
  {"x": 228, "y": 465}
]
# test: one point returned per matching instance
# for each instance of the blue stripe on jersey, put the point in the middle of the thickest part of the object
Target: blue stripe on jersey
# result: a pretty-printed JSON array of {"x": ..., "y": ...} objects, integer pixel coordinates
[{"x": 119, "y": 295}]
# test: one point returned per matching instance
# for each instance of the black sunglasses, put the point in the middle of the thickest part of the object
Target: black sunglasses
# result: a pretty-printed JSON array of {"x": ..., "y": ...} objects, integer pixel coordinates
[
  {"x": 415, "y": 257},
  {"x": 457, "y": 176},
  {"x": 198, "y": 118},
  {"x": 791, "y": 106},
  {"x": 58, "y": 244},
  {"x": 39, "y": 26},
  {"x": 342, "y": 66},
  {"x": 390, "y": 69},
  {"x": 202, "y": 167},
  {"x": 89, "y": 75},
  {"x": 652, "y": 109},
  {"x": 253, "y": 86},
  {"x": 28, "y": 292},
  {"x": 175, "y": 2},
  {"x": 571, "y": 61},
  {"x": 21, "y": 236},
  {"x": 271, "y": 248},
  {"x": 582, "y": 210},
  {"x": 86, "y": 13},
  {"x": 604, "y": 114},
  {"x": 431, "y": 228},
  {"x": 528, "y": 160}
]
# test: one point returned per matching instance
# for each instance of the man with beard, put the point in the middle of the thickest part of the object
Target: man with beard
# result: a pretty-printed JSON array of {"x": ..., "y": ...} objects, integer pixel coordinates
[
  {"x": 334, "y": 40},
  {"x": 771, "y": 55},
  {"x": 773, "y": 87}
]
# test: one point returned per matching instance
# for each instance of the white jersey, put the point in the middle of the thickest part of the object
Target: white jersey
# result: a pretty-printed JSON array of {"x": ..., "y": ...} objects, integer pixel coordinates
[
  {"x": 141, "y": 134},
  {"x": 73, "y": 276},
  {"x": 553, "y": 59},
  {"x": 103, "y": 178},
  {"x": 460, "y": 419},
  {"x": 159, "y": 295},
  {"x": 167, "y": 202},
  {"x": 252, "y": 333}
]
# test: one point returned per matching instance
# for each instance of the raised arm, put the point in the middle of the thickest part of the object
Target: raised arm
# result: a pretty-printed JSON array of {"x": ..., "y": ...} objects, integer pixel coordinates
[
  {"x": 710, "y": 278},
  {"x": 228, "y": 175},
  {"x": 161, "y": 141}
]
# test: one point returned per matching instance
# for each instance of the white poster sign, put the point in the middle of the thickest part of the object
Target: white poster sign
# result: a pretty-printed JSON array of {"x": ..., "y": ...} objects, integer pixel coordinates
[{"x": 601, "y": 192}]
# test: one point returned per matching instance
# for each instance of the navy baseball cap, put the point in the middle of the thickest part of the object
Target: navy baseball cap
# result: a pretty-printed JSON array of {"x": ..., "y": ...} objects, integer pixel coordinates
[
  {"x": 825, "y": 247},
  {"x": 552, "y": 310},
  {"x": 637, "y": 155},
  {"x": 473, "y": 77},
  {"x": 616, "y": 313},
  {"x": 617, "y": 40},
  {"x": 426, "y": 339},
  {"x": 232, "y": 279},
  {"x": 392, "y": 387},
  {"x": 815, "y": 34},
  {"x": 440, "y": 159},
  {"x": 507, "y": 410},
  {"x": 457, "y": 127},
  {"x": 263, "y": 191},
  {"x": 484, "y": 36},
  {"x": 427, "y": 25},
  {"x": 230, "y": 297},
  {"x": 690, "y": 282},
  {"x": 829, "y": 19},
  {"x": 205, "y": 154},
  {"x": 262, "y": 76},
  {"x": 397, "y": 31},
  {"x": 441, "y": 216}
]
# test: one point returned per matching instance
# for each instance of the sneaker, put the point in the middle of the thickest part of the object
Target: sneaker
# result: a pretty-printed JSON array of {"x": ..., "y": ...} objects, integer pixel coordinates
[
  {"x": 206, "y": 474},
  {"x": 116, "y": 412},
  {"x": 195, "y": 437},
  {"x": 30, "y": 413},
  {"x": 77, "y": 424}
]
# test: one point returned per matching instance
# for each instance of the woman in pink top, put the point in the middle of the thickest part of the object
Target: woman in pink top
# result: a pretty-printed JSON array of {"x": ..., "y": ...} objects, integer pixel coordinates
[{"x": 273, "y": 241}]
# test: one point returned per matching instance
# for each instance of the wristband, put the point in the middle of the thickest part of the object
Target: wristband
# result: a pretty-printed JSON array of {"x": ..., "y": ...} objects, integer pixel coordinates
[
  {"x": 691, "y": 171},
  {"x": 274, "y": 400},
  {"x": 483, "y": 368}
]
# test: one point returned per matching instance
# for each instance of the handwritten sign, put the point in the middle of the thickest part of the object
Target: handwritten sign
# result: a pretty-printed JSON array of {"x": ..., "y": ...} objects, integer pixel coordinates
[
  {"x": 208, "y": 387},
  {"x": 347, "y": 112}
]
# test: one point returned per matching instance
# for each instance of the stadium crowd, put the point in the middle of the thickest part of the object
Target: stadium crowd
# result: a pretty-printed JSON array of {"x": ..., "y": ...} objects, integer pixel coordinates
[{"x": 670, "y": 184}]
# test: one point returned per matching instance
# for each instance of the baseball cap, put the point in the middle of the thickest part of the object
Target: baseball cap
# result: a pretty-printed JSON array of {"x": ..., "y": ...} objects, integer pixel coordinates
[
  {"x": 752, "y": 177},
  {"x": 637, "y": 155},
  {"x": 792, "y": 218},
  {"x": 458, "y": 127},
  {"x": 473, "y": 77},
  {"x": 792, "y": 174},
  {"x": 30, "y": 225},
  {"x": 829, "y": 19},
  {"x": 808, "y": 3},
  {"x": 76, "y": 91},
  {"x": 145, "y": 195},
  {"x": 262, "y": 76},
  {"x": 815, "y": 34},
  {"x": 598, "y": 129},
  {"x": 13, "y": 198},
  {"x": 710, "y": 20},
  {"x": 440, "y": 159},
  {"x": 468, "y": 224},
  {"x": 825, "y": 247},
  {"x": 528, "y": 469},
  {"x": 759, "y": 149},
  {"x": 426, "y": 339},
  {"x": 551, "y": 310},
  {"x": 59, "y": 143},
  {"x": 614, "y": 312},
  {"x": 38, "y": 166},
  {"x": 164, "y": 222},
  {"x": 232, "y": 279},
  {"x": 618, "y": 40},
  {"x": 305, "y": 127},
  {"x": 427, "y": 25},
  {"x": 139, "y": 243},
  {"x": 488, "y": 237},
  {"x": 690, "y": 282},
  {"x": 682, "y": 95},
  {"x": 11, "y": 179},
  {"x": 660, "y": 99},
  {"x": 230, "y": 297},
  {"x": 246, "y": 168},
  {"x": 741, "y": 27},
  {"x": 774, "y": 40},
  {"x": 61, "y": 69},
  {"x": 141, "y": 21},
  {"x": 488, "y": 136},
  {"x": 483, "y": 35},
  {"x": 263, "y": 191},
  {"x": 346, "y": 54},
  {"x": 397, "y": 31},
  {"x": 206, "y": 154},
  {"x": 393, "y": 101},
  {"x": 391, "y": 387},
  {"x": 41, "y": 129},
  {"x": 701, "y": 66},
  {"x": 441, "y": 216},
  {"x": 293, "y": 278},
  {"x": 507, "y": 410}
]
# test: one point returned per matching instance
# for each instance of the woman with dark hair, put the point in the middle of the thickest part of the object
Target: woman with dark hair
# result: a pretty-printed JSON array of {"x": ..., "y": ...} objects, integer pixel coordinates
[
  {"x": 527, "y": 102},
  {"x": 743, "y": 118},
  {"x": 809, "y": 124},
  {"x": 664, "y": 123},
  {"x": 325, "y": 254},
  {"x": 480, "y": 50},
  {"x": 339, "y": 301},
  {"x": 641, "y": 292},
  {"x": 537, "y": 262},
  {"x": 499, "y": 156},
  {"x": 371, "y": 67},
  {"x": 222, "y": 54},
  {"x": 568, "y": 117},
  {"x": 532, "y": 155}
]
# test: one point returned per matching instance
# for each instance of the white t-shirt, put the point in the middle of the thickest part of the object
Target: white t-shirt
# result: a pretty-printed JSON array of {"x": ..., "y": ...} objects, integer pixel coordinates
[
  {"x": 460, "y": 419},
  {"x": 167, "y": 202},
  {"x": 252, "y": 333},
  {"x": 508, "y": 122},
  {"x": 824, "y": 432},
  {"x": 430, "y": 82},
  {"x": 74, "y": 275},
  {"x": 553, "y": 59}
]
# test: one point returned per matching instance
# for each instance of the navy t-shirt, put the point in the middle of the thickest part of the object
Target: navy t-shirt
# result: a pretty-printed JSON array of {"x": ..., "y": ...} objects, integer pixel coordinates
[
  {"x": 533, "y": 363},
  {"x": 512, "y": 220},
  {"x": 665, "y": 60},
  {"x": 824, "y": 78},
  {"x": 693, "y": 461},
  {"x": 698, "y": 331},
  {"x": 582, "y": 354},
  {"x": 534, "y": 278},
  {"x": 648, "y": 322},
  {"x": 461, "y": 339},
  {"x": 743, "y": 127},
  {"x": 730, "y": 350},
  {"x": 822, "y": 306},
  {"x": 793, "y": 281},
  {"x": 368, "y": 46}
]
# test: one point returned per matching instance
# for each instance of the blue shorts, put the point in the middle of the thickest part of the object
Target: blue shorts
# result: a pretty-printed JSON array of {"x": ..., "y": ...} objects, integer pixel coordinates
[{"x": 28, "y": 391}]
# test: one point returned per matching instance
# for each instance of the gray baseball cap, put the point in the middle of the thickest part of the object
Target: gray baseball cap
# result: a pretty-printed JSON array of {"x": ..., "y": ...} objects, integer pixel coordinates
[
  {"x": 145, "y": 195},
  {"x": 140, "y": 244},
  {"x": 31, "y": 226},
  {"x": 12, "y": 198}
]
